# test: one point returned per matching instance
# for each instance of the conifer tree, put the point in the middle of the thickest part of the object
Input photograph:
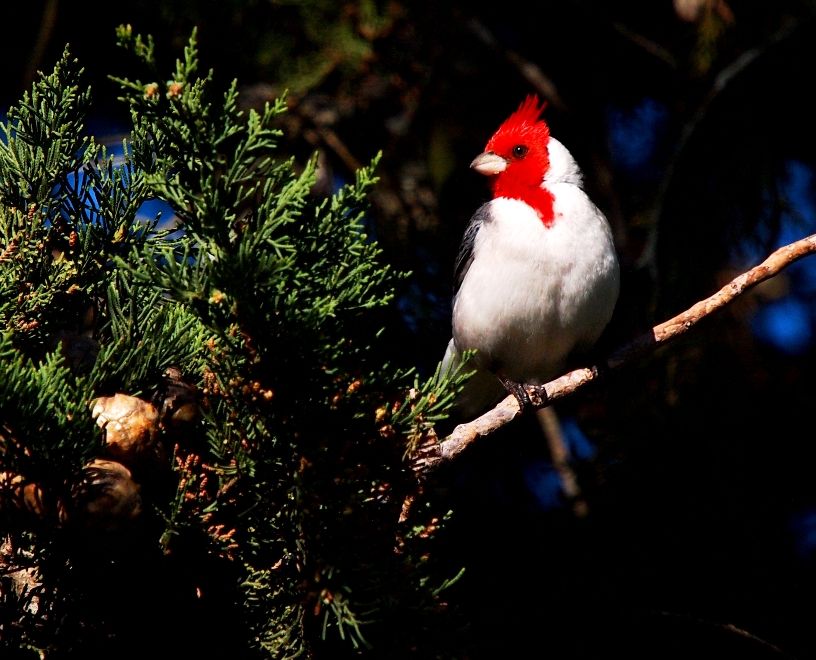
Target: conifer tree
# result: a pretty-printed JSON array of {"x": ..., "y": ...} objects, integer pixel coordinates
[{"x": 203, "y": 434}]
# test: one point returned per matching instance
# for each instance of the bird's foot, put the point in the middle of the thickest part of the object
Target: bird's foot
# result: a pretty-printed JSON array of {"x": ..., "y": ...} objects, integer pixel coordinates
[{"x": 519, "y": 391}]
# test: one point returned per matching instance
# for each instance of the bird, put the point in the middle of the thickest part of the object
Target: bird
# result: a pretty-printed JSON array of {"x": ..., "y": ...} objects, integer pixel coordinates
[{"x": 536, "y": 278}]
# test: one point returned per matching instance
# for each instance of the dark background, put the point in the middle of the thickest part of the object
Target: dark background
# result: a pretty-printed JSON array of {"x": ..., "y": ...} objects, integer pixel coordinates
[{"x": 694, "y": 124}]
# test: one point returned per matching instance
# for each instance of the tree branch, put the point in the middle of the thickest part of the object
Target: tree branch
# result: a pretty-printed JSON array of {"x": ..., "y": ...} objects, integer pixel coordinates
[
  {"x": 434, "y": 455},
  {"x": 48, "y": 22},
  {"x": 528, "y": 70}
]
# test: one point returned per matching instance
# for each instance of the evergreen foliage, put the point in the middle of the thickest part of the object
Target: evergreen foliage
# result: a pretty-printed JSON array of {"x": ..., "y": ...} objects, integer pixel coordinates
[{"x": 269, "y": 518}]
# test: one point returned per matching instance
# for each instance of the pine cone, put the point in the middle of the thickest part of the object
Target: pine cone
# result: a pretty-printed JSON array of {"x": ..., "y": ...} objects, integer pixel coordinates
[
  {"x": 177, "y": 401},
  {"x": 21, "y": 494},
  {"x": 106, "y": 496},
  {"x": 131, "y": 428}
]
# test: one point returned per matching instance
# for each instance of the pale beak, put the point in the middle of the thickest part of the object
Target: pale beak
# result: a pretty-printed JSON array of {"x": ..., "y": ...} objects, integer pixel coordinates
[{"x": 489, "y": 163}]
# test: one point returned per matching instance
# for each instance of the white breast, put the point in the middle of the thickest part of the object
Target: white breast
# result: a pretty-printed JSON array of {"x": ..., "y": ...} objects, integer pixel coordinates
[{"x": 534, "y": 294}]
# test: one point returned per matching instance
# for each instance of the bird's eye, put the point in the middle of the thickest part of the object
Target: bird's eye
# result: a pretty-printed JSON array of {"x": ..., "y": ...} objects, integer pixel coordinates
[{"x": 520, "y": 151}]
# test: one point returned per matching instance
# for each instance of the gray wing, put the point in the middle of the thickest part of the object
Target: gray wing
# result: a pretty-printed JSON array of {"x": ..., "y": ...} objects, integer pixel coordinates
[{"x": 465, "y": 256}]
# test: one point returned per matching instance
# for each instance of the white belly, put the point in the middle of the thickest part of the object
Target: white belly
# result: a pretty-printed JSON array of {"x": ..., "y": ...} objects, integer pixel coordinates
[{"x": 534, "y": 294}]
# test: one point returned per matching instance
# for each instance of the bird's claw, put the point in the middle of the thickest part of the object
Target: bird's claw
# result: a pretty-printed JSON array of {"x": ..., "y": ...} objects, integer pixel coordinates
[{"x": 519, "y": 391}]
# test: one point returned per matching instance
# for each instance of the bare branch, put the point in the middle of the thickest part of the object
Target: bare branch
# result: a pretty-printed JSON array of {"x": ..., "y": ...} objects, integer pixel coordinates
[
  {"x": 647, "y": 45},
  {"x": 432, "y": 456},
  {"x": 560, "y": 457},
  {"x": 48, "y": 22},
  {"x": 528, "y": 70}
]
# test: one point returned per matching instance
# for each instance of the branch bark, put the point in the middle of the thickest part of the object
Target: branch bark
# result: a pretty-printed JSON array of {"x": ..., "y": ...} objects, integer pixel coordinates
[{"x": 432, "y": 456}]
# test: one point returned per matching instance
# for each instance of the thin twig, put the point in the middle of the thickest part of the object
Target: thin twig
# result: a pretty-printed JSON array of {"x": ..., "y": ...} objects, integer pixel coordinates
[
  {"x": 48, "y": 22},
  {"x": 530, "y": 71},
  {"x": 543, "y": 395},
  {"x": 723, "y": 80},
  {"x": 647, "y": 45},
  {"x": 560, "y": 457}
]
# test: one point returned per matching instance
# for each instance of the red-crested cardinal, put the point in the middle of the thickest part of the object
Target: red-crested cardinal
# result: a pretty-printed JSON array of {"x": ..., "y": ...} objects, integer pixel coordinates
[{"x": 537, "y": 276}]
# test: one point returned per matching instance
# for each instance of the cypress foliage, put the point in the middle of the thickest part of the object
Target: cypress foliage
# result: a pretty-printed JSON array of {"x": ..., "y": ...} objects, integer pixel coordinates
[{"x": 243, "y": 487}]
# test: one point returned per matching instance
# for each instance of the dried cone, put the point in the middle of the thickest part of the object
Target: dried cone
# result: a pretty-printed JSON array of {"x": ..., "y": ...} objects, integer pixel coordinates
[
  {"x": 131, "y": 427},
  {"x": 177, "y": 401},
  {"x": 21, "y": 494},
  {"x": 106, "y": 497},
  {"x": 693, "y": 11},
  {"x": 690, "y": 10}
]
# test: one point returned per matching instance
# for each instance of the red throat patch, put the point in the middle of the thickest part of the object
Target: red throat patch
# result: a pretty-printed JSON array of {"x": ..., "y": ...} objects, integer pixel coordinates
[
  {"x": 541, "y": 199},
  {"x": 523, "y": 177}
]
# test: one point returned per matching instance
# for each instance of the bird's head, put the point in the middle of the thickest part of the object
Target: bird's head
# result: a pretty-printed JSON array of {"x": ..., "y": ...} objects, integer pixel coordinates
[{"x": 517, "y": 158}]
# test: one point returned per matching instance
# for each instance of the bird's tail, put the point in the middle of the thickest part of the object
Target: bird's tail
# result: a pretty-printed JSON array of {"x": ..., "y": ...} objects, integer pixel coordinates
[{"x": 481, "y": 391}]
